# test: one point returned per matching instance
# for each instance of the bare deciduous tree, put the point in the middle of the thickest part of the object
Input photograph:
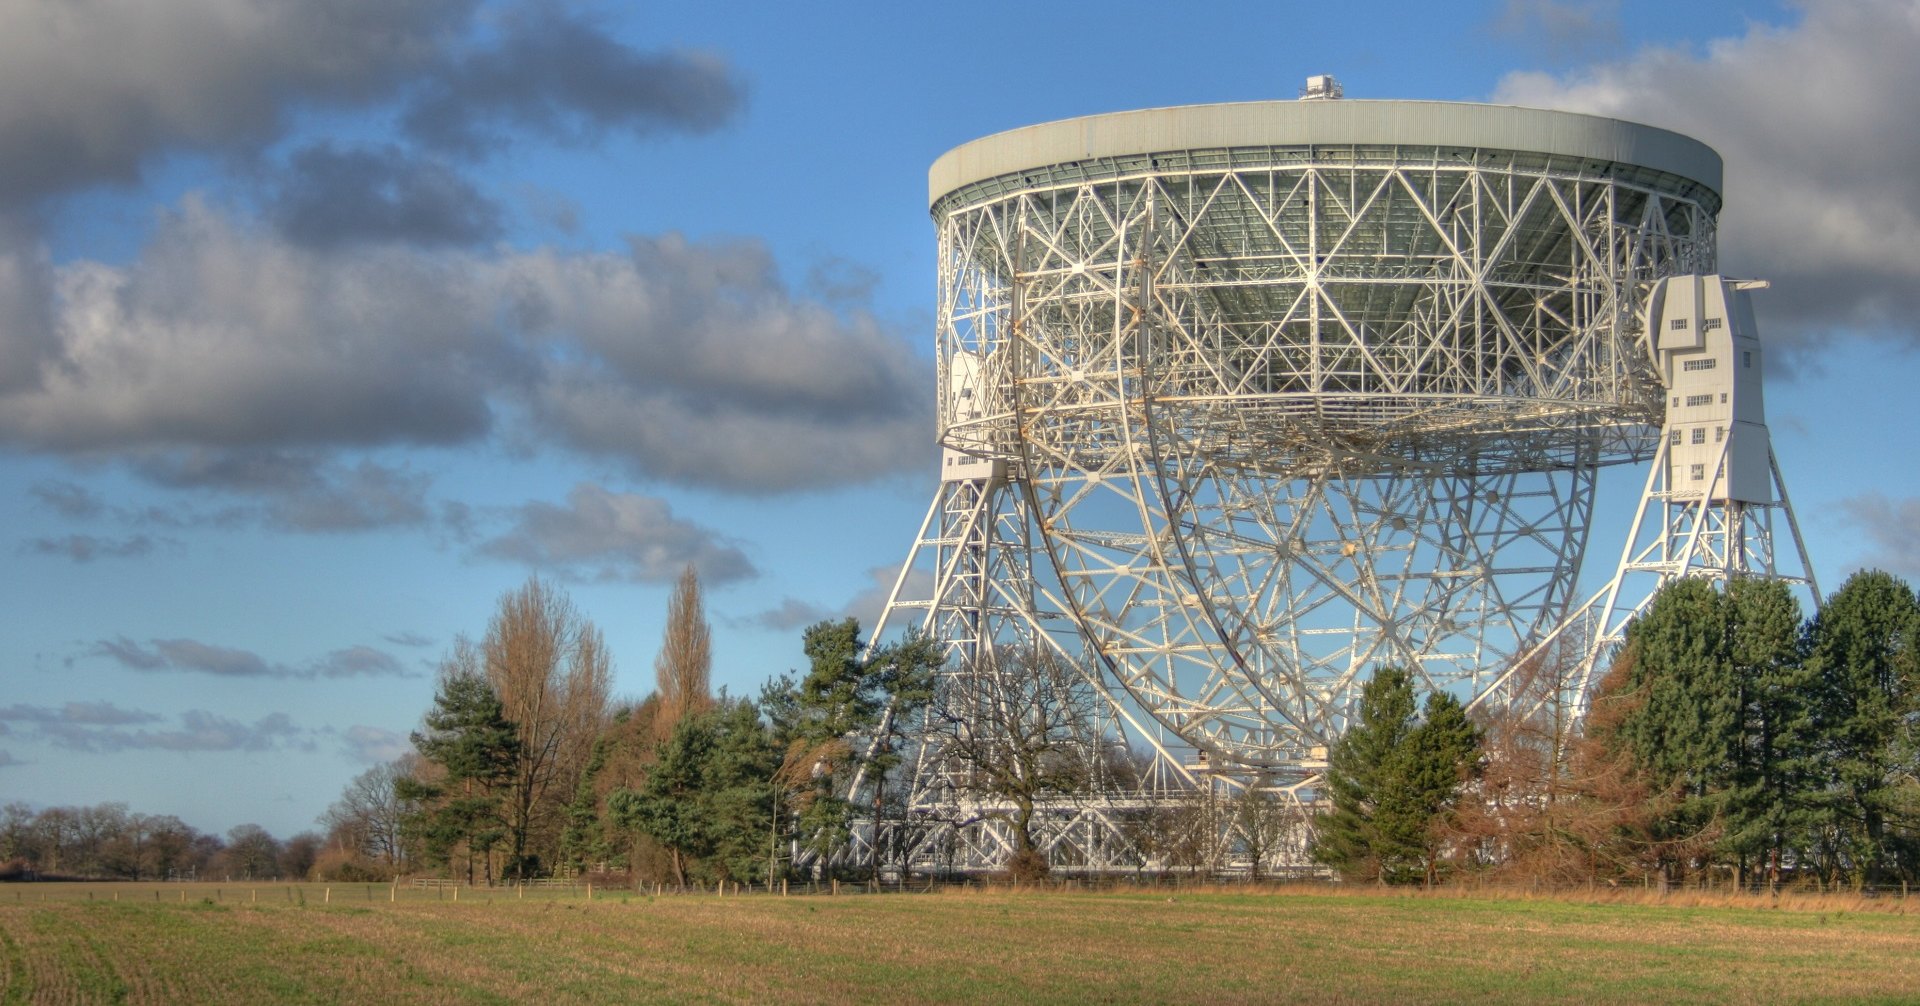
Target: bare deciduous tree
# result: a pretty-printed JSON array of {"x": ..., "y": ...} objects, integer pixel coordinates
[
  {"x": 1194, "y": 831},
  {"x": 551, "y": 670},
  {"x": 1514, "y": 820},
  {"x": 1020, "y": 732},
  {"x": 365, "y": 823},
  {"x": 1264, "y": 827}
]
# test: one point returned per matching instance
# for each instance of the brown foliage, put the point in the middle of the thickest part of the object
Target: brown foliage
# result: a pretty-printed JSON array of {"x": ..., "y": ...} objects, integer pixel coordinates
[
  {"x": 685, "y": 665},
  {"x": 551, "y": 670},
  {"x": 1559, "y": 806},
  {"x": 1510, "y": 823}
]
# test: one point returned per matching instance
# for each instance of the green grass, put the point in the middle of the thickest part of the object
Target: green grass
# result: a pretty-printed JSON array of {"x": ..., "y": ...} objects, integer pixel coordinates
[{"x": 1292, "y": 945}]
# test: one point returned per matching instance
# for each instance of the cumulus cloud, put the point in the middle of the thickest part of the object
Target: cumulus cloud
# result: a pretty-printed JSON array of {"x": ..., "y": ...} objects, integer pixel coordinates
[
  {"x": 1815, "y": 122},
  {"x": 1888, "y": 526},
  {"x": 225, "y": 336},
  {"x": 94, "y": 93},
  {"x": 91, "y": 93},
  {"x": 695, "y": 363},
  {"x": 603, "y": 535},
  {"x": 86, "y": 547},
  {"x": 374, "y": 746},
  {"x": 332, "y": 196},
  {"x": 28, "y": 339},
  {"x": 195, "y": 656},
  {"x": 228, "y": 357},
  {"x": 343, "y": 317},
  {"x": 302, "y": 490},
  {"x": 556, "y": 74},
  {"x": 367, "y": 304},
  {"x": 362, "y": 496}
]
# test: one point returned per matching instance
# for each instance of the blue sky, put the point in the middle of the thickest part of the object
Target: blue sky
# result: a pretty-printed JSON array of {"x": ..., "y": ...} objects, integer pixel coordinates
[{"x": 324, "y": 324}]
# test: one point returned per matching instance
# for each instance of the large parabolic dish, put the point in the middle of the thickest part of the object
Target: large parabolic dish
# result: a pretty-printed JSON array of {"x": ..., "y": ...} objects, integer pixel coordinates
[{"x": 1295, "y": 389}]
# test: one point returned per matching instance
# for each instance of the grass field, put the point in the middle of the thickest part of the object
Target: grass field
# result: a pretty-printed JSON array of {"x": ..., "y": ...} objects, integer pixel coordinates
[{"x": 268, "y": 944}]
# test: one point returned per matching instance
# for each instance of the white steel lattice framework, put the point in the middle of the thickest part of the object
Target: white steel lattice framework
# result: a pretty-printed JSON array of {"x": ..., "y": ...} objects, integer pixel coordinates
[
  {"x": 1711, "y": 505},
  {"x": 1242, "y": 401}
]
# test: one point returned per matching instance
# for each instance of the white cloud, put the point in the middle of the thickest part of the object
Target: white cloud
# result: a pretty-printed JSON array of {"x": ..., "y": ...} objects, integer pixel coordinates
[
  {"x": 93, "y": 92},
  {"x": 1815, "y": 123},
  {"x": 229, "y": 357},
  {"x": 602, "y": 535},
  {"x": 695, "y": 363}
]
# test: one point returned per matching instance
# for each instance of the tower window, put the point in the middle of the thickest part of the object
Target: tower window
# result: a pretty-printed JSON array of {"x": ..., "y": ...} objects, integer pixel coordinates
[
  {"x": 1746, "y": 358},
  {"x": 1674, "y": 437},
  {"x": 1712, "y": 323},
  {"x": 1678, "y": 324},
  {"x": 1700, "y": 435},
  {"x": 1719, "y": 434},
  {"x": 1703, "y": 399},
  {"x": 1698, "y": 472},
  {"x": 1707, "y": 364}
]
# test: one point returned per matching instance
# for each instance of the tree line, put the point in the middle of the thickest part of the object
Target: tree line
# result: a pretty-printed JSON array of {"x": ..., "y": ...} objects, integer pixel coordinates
[
  {"x": 525, "y": 767},
  {"x": 107, "y": 841},
  {"x": 1731, "y": 739}
]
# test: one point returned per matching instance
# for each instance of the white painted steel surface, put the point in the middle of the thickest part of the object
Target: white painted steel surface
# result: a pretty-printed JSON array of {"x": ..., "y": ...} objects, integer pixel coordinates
[{"x": 1276, "y": 393}]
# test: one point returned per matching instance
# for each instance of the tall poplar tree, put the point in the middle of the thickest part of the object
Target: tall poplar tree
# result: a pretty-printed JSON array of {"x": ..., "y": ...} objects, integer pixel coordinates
[{"x": 683, "y": 670}]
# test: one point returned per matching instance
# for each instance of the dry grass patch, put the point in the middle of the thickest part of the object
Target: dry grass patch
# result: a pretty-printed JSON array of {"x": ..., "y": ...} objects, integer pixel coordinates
[{"x": 1228, "y": 947}]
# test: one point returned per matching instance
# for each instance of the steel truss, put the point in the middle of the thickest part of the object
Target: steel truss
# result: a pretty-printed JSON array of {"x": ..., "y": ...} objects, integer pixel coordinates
[
  {"x": 1264, "y": 421},
  {"x": 1677, "y": 533}
]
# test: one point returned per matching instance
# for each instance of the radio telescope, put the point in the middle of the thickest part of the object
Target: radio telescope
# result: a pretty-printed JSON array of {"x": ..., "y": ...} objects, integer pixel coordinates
[{"x": 1241, "y": 401}]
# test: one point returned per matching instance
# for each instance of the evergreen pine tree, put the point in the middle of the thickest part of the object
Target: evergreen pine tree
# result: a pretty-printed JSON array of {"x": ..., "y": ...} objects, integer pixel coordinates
[
  {"x": 1864, "y": 650},
  {"x": 468, "y": 735},
  {"x": 709, "y": 798},
  {"x": 1391, "y": 779},
  {"x": 1769, "y": 801}
]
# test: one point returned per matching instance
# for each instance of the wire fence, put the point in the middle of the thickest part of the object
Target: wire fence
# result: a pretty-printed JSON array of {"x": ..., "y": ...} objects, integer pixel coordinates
[{"x": 1705, "y": 891}]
